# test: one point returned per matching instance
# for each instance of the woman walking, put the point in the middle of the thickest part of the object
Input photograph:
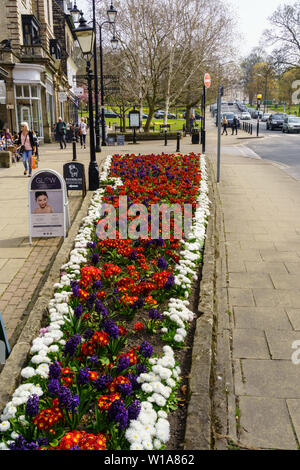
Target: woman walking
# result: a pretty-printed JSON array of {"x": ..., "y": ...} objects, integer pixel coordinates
[
  {"x": 26, "y": 140},
  {"x": 82, "y": 132}
]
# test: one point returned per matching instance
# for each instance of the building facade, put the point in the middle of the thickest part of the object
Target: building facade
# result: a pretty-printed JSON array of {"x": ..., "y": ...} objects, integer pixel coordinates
[{"x": 37, "y": 60}]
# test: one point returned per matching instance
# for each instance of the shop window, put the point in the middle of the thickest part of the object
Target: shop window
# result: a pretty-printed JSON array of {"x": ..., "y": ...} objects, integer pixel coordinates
[
  {"x": 31, "y": 30},
  {"x": 55, "y": 49}
]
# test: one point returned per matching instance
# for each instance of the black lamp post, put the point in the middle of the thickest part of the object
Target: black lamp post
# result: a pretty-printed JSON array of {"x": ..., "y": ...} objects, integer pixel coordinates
[
  {"x": 111, "y": 13},
  {"x": 86, "y": 38}
]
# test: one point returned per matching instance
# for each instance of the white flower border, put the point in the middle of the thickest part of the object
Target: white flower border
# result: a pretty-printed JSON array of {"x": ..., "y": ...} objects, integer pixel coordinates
[{"x": 151, "y": 429}]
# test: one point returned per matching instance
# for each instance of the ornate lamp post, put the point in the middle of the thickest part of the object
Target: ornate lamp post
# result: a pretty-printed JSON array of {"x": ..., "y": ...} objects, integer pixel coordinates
[
  {"x": 111, "y": 13},
  {"x": 86, "y": 38}
]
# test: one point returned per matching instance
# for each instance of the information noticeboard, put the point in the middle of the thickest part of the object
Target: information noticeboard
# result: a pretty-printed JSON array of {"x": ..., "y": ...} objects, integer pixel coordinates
[
  {"x": 134, "y": 119},
  {"x": 74, "y": 175},
  {"x": 48, "y": 205}
]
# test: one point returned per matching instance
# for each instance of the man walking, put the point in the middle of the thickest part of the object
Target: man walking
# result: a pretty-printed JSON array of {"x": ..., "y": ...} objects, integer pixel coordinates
[
  {"x": 61, "y": 133},
  {"x": 234, "y": 126}
]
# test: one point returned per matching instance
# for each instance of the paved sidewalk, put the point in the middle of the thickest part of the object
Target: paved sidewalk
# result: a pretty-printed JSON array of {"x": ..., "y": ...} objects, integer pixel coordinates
[{"x": 258, "y": 300}]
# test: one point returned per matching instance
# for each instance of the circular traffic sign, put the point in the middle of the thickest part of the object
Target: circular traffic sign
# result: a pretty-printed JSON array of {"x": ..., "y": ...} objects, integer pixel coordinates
[{"x": 207, "y": 80}]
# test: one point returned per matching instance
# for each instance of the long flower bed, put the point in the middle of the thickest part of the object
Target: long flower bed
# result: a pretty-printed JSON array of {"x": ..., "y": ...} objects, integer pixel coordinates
[{"x": 104, "y": 374}]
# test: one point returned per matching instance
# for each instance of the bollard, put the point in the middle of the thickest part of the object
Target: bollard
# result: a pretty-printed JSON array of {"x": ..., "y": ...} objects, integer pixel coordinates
[
  {"x": 251, "y": 129},
  {"x": 178, "y": 142},
  {"x": 74, "y": 147},
  {"x": 166, "y": 137}
]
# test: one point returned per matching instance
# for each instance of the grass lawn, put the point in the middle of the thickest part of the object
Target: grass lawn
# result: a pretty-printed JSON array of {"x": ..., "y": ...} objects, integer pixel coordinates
[{"x": 175, "y": 124}]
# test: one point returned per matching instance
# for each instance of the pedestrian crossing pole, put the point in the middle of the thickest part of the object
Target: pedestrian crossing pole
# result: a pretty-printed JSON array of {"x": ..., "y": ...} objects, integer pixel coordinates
[{"x": 258, "y": 100}]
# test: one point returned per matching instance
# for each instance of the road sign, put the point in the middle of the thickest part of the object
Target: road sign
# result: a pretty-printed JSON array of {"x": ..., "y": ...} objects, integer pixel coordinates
[
  {"x": 207, "y": 80},
  {"x": 62, "y": 96},
  {"x": 78, "y": 91}
]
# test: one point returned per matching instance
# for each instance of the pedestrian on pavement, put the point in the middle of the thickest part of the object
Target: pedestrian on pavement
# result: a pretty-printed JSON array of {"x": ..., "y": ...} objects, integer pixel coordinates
[
  {"x": 82, "y": 132},
  {"x": 235, "y": 125},
  {"x": 224, "y": 125},
  {"x": 27, "y": 147},
  {"x": 61, "y": 133}
]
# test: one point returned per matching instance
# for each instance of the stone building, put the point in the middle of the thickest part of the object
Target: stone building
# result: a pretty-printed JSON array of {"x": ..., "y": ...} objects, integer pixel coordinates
[{"x": 36, "y": 65}]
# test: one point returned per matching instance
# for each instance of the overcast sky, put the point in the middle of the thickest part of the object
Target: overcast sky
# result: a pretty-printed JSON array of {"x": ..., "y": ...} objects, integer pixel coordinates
[{"x": 252, "y": 19}]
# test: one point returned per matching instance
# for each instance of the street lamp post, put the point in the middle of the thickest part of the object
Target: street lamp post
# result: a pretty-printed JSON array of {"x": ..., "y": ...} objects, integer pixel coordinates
[
  {"x": 86, "y": 38},
  {"x": 97, "y": 127},
  {"x": 111, "y": 13}
]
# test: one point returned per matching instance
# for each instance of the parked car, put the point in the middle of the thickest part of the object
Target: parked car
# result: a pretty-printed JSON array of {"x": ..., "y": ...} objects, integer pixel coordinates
[
  {"x": 265, "y": 117},
  {"x": 245, "y": 116},
  {"x": 275, "y": 121},
  {"x": 159, "y": 114},
  {"x": 110, "y": 114},
  {"x": 291, "y": 124},
  {"x": 256, "y": 114},
  {"x": 197, "y": 115}
]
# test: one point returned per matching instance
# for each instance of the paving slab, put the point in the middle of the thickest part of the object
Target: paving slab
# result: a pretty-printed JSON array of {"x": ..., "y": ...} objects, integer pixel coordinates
[
  {"x": 265, "y": 423},
  {"x": 280, "y": 343},
  {"x": 269, "y": 378},
  {"x": 249, "y": 344},
  {"x": 262, "y": 318},
  {"x": 266, "y": 267},
  {"x": 249, "y": 280},
  {"x": 294, "y": 317},
  {"x": 294, "y": 410}
]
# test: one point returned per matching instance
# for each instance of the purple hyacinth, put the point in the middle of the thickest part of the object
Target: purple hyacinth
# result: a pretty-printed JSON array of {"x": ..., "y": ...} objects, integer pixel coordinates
[
  {"x": 92, "y": 245},
  {"x": 97, "y": 285},
  {"x": 78, "y": 311},
  {"x": 95, "y": 259},
  {"x": 125, "y": 388},
  {"x": 124, "y": 363},
  {"x": 170, "y": 282},
  {"x": 71, "y": 345},
  {"x": 134, "y": 382},
  {"x": 67, "y": 400},
  {"x": 111, "y": 328},
  {"x": 54, "y": 370},
  {"x": 100, "y": 308},
  {"x": 53, "y": 387},
  {"x": 75, "y": 288},
  {"x": 102, "y": 382},
  {"x": 161, "y": 263},
  {"x": 83, "y": 376},
  {"x": 88, "y": 333},
  {"x": 146, "y": 349},
  {"x": 138, "y": 303},
  {"x": 154, "y": 314},
  {"x": 134, "y": 409},
  {"x": 21, "y": 444},
  {"x": 32, "y": 406},
  {"x": 118, "y": 413},
  {"x": 94, "y": 359},
  {"x": 141, "y": 368}
]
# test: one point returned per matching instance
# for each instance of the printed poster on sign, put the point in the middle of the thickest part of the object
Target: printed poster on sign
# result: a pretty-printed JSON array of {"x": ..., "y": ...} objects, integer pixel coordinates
[{"x": 48, "y": 205}]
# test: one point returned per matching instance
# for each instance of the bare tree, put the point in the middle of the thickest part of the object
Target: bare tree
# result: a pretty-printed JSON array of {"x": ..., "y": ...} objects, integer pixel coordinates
[{"x": 285, "y": 34}]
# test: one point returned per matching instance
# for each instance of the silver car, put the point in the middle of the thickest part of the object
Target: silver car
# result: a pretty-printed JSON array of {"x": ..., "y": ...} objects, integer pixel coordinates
[{"x": 291, "y": 124}]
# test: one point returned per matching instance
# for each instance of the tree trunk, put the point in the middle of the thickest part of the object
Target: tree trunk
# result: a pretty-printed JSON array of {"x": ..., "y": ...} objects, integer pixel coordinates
[{"x": 150, "y": 115}]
